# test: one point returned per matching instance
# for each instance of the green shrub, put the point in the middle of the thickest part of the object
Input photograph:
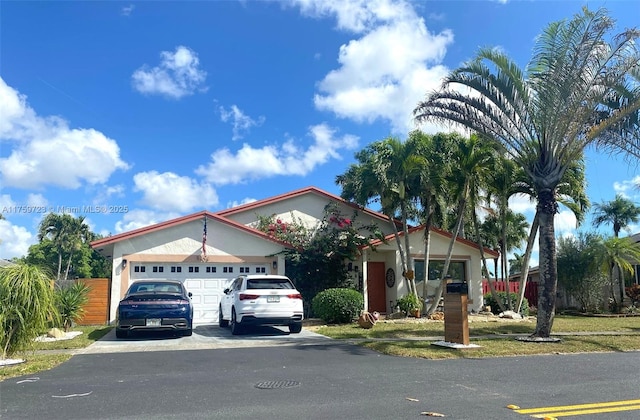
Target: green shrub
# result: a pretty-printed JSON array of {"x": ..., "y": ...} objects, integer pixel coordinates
[
  {"x": 338, "y": 306},
  {"x": 495, "y": 308},
  {"x": 70, "y": 301}
]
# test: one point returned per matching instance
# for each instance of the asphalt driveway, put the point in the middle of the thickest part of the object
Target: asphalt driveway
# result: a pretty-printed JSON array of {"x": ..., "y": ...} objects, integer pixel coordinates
[{"x": 204, "y": 337}]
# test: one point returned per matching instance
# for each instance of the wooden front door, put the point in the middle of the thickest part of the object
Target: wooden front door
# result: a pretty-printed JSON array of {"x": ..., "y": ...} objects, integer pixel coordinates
[{"x": 376, "y": 288}]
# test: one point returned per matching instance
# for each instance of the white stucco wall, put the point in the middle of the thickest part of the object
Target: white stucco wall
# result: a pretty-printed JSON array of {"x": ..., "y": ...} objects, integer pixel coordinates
[{"x": 462, "y": 252}]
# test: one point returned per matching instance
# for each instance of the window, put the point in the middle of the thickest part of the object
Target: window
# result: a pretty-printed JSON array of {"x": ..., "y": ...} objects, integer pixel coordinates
[
  {"x": 158, "y": 269},
  {"x": 456, "y": 270},
  {"x": 244, "y": 270},
  {"x": 260, "y": 270},
  {"x": 269, "y": 284},
  {"x": 175, "y": 269},
  {"x": 139, "y": 269},
  {"x": 227, "y": 269},
  {"x": 211, "y": 269}
]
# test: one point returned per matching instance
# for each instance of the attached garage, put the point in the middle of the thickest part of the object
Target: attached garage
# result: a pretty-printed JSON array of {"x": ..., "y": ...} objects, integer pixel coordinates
[
  {"x": 205, "y": 281},
  {"x": 203, "y": 250}
]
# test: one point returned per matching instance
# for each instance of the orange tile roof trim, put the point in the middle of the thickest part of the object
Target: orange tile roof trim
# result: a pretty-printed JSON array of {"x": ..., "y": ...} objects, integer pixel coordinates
[
  {"x": 295, "y": 193},
  {"x": 178, "y": 221},
  {"x": 391, "y": 237}
]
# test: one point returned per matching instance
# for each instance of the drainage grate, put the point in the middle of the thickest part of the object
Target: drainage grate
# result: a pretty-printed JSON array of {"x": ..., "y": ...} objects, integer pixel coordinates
[{"x": 277, "y": 384}]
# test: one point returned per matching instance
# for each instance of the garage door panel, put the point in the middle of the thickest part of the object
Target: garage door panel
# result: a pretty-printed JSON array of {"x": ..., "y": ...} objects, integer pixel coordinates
[{"x": 206, "y": 287}]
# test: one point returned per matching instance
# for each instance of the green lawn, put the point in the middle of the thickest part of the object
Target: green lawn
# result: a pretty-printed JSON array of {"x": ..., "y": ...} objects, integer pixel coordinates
[{"x": 402, "y": 337}]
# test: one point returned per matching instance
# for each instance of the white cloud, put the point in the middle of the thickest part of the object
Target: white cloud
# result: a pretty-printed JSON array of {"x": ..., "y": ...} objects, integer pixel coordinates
[
  {"x": 140, "y": 218},
  {"x": 177, "y": 75},
  {"x": 387, "y": 71},
  {"x": 628, "y": 187},
  {"x": 47, "y": 152},
  {"x": 521, "y": 203},
  {"x": 233, "y": 204},
  {"x": 250, "y": 163},
  {"x": 14, "y": 240},
  {"x": 170, "y": 192},
  {"x": 127, "y": 10},
  {"x": 241, "y": 122},
  {"x": 565, "y": 223}
]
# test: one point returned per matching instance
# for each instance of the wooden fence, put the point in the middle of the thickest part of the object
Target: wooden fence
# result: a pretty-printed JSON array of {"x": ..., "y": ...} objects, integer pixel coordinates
[
  {"x": 97, "y": 309},
  {"x": 530, "y": 292}
]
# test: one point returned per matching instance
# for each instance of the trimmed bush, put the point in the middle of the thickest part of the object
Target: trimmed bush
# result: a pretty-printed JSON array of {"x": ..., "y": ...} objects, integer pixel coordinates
[
  {"x": 338, "y": 306},
  {"x": 495, "y": 308}
]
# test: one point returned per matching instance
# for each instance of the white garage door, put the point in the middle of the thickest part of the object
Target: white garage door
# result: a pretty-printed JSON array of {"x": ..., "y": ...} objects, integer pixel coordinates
[{"x": 205, "y": 281}]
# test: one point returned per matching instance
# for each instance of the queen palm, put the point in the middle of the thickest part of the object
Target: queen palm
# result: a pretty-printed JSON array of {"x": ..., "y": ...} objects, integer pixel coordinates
[{"x": 579, "y": 89}]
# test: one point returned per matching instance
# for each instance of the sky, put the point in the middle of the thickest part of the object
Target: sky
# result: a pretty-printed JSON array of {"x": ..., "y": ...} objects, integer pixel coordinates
[{"x": 133, "y": 113}]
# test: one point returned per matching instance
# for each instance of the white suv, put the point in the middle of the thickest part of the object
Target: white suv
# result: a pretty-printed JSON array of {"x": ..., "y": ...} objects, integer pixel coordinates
[{"x": 261, "y": 299}]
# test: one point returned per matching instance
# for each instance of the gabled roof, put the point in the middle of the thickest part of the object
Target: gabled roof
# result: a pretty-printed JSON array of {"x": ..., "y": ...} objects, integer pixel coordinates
[
  {"x": 109, "y": 241},
  {"x": 391, "y": 237},
  {"x": 297, "y": 193}
]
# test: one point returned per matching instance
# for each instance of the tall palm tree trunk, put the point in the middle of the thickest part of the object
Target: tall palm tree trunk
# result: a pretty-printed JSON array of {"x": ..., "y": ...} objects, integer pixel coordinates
[
  {"x": 396, "y": 235},
  {"x": 547, "y": 208}
]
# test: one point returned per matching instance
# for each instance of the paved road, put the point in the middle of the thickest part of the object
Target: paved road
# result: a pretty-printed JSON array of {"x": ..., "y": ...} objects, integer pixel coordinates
[{"x": 321, "y": 379}]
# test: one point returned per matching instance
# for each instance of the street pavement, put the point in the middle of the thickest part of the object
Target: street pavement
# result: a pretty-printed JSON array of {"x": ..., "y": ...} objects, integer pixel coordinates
[{"x": 270, "y": 374}]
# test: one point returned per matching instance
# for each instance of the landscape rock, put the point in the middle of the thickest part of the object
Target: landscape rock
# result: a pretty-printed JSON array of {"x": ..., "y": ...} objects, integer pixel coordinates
[
  {"x": 55, "y": 333},
  {"x": 510, "y": 315}
]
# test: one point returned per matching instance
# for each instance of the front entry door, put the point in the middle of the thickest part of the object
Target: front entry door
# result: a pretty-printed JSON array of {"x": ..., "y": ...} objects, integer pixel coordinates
[{"x": 376, "y": 290}]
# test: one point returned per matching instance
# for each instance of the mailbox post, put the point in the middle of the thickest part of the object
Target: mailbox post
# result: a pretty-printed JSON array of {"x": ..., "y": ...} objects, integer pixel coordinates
[{"x": 456, "y": 319}]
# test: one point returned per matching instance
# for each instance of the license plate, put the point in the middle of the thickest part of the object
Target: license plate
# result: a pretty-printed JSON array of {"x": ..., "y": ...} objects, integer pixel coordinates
[
  {"x": 153, "y": 322},
  {"x": 273, "y": 298}
]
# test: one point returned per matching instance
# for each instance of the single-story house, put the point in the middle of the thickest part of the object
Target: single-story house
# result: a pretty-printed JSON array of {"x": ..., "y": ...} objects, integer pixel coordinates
[{"x": 207, "y": 249}]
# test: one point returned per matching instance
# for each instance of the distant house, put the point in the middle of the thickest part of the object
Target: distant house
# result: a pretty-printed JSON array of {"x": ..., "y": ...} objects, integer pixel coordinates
[{"x": 206, "y": 250}]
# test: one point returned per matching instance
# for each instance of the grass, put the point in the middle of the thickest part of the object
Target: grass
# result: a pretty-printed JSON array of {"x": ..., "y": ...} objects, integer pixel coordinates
[
  {"x": 37, "y": 362},
  {"x": 402, "y": 337}
]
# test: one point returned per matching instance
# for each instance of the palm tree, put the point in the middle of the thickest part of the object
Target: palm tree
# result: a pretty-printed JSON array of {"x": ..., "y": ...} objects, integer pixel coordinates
[
  {"x": 621, "y": 253},
  {"x": 386, "y": 172},
  {"x": 471, "y": 160},
  {"x": 516, "y": 263},
  {"x": 67, "y": 235},
  {"x": 430, "y": 184},
  {"x": 579, "y": 89},
  {"x": 620, "y": 212}
]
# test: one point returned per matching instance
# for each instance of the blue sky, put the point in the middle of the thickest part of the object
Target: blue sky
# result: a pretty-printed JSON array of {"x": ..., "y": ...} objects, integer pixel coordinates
[{"x": 132, "y": 113}]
